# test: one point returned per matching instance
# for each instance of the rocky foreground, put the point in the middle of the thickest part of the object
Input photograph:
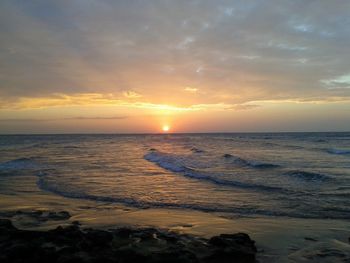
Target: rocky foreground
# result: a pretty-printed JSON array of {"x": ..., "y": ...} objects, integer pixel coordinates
[{"x": 146, "y": 245}]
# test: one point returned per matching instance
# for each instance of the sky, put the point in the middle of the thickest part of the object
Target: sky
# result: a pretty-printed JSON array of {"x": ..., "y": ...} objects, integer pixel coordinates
[{"x": 109, "y": 66}]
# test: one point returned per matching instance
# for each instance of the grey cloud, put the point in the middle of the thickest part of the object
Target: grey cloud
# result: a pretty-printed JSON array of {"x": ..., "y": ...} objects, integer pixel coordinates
[
  {"x": 98, "y": 118},
  {"x": 65, "y": 119},
  {"x": 243, "y": 107},
  {"x": 255, "y": 49}
]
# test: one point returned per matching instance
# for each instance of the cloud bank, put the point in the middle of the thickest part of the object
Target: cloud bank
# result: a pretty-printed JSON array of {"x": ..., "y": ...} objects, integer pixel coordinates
[{"x": 233, "y": 52}]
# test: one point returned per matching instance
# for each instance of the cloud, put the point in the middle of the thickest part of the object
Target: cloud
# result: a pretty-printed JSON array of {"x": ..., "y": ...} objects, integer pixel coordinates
[
  {"x": 244, "y": 107},
  {"x": 94, "y": 99},
  {"x": 251, "y": 51},
  {"x": 339, "y": 82},
  {"x": 131, "y": 94},
  {"x": 60, "y": 100},
  {"x": 31, "y": 120},
  {"x": 191, "y": 90}
]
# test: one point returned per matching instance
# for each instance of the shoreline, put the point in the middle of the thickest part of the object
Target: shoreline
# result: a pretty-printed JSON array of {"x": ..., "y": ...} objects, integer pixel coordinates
[{"x": 277, "y": 239}]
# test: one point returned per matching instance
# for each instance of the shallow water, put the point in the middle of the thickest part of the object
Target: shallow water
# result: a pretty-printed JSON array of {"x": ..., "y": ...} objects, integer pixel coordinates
[{"x": 297, "y": 175}]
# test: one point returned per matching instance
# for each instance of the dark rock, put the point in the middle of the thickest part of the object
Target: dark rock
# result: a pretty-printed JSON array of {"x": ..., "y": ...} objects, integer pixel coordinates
[
  {"x": 232, "y": 246},
  {"x": 77, "y": 223},
  {"x": 62, "y": 215},
  {"x": 146, "y": 234},
  {"x": 174, "y": 256},
  {"x": 99, "y": 237},
  {"x": 225, "y": 240},
  {"x": 74, "y": 258},
  {"x": 123, "y": 245},
  {"x": 123, "y": 232},
  {"x": 6, "y": 224},
  {"x": 170, "y": 237},
  {"x": 196, "y": 150},
  {"x": 227, "y": 155},
  {"x": 130, "y": 255},
  {"x": 310, "y": 239}
]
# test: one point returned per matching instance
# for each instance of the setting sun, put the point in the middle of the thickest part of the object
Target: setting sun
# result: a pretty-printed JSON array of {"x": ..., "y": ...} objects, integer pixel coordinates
[
  {"x": 165, "y": 128},
  {"x": 175, "y": 130}
]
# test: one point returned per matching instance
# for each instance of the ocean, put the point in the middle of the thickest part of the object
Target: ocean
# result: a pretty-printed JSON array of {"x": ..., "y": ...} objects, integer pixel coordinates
[{"x": 298, "y": 175}]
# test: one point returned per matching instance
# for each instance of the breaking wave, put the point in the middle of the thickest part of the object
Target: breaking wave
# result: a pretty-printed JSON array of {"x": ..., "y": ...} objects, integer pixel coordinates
[
  {"x": 19, "y": 164},
  {"x": 47, "y": 185},
  {"x": 338, "y": 151},
  {"x": 252, "y": 164},
  {"x": 308, "y": 176},
  {"x": 176, "y": 164}
]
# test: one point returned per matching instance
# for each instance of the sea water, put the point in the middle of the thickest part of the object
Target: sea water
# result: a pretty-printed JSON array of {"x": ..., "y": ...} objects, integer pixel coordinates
[{"x": 286, "y": 175}]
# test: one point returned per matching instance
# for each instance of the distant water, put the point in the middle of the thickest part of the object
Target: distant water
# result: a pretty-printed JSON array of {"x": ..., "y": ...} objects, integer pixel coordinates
[{"x": 299, "y": 175}]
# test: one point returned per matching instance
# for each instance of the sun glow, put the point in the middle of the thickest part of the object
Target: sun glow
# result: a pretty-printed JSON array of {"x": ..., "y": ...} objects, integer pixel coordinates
[{"x": 165, "y": 128}]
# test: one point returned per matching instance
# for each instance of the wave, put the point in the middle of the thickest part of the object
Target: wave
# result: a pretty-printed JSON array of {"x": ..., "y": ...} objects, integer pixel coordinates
[
  {"x": 71, "y": 147},
  {"x": 320, "y": 140},
  {"x": 19, "y": 164},
  {"x": 46, "y": 186},
  {"x": 341, "y": 195},
  {"x": 252, "y": 164},
  {"x": 308, "y": 176},
  {"x": 167, "y": 161},
  {"x": 176, "y": 164},
  {"x": 338, "y": 151},
  {"x": 241, "y": 211},
  {"x": 278, "y": 145},
  {"x": 196, "y": 150}
]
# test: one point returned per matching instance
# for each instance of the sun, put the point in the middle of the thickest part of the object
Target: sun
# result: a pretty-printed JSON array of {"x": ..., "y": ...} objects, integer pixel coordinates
[{"x": 165, "y": 128}]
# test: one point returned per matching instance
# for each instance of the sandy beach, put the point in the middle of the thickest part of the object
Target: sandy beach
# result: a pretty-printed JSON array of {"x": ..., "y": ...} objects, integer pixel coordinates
[{"x": 277, "y": 239}]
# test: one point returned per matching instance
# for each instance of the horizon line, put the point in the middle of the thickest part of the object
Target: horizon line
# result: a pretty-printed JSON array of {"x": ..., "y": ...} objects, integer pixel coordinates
[{"x": 166, "y": 133}]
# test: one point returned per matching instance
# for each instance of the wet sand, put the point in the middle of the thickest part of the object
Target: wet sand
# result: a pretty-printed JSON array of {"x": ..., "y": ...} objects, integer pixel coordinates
[{"x": 277, "y": 239}]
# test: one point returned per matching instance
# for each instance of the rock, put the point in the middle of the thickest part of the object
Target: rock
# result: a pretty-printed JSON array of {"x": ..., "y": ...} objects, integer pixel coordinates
[
  {"x": 227, "y": 155},
  {"x": 123, "y": 232},
  {"x": 6, "y": 224},
  {"x": 169, "y": 237},
  {"x": 174, "y": 256},
  {"x": 62, "y": 215},
  {"x": 310, "y": 239},
  {"x": 129, "y": 254},
  {"x": 146, "y": 234},
  {"x": 76, "y": 222},
  {"x": 123, "y": 245},
  {"x": 239, "y": 239},
  {"x": 196, "y": 150},
  {"x": 99, "y": 237},
  {"x": 232, "y": 246}
]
